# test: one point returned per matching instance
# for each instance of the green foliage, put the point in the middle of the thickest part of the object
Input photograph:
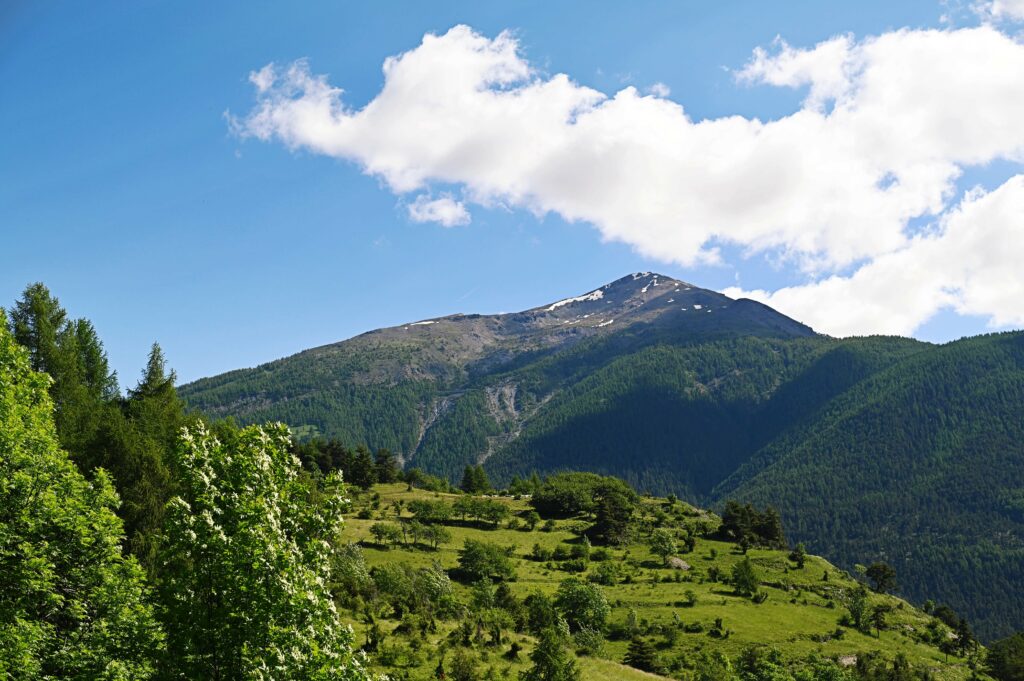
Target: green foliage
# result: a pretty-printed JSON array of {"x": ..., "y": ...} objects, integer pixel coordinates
[
  {"x": 474, "y": 480},
  {"x": 386, "y": 533},
  {"x": 68, "y": 350},
  {"x": 920, "y": 462},
  {"x": 71, "y": 605},
  {"x": 484, "y": 560},
  {"x": 582, "y": 604},
  {"x": 745, "y": 578},
  {"x": 131, "y": 438},
  {"x": 551, "y": 660},
  {"x": 663, "y": 543},
  {"x": 745, "y": 524},
  {"x": 246, "y": 563},
  {"x": 930, "y": 435},
  {"x": 857, "y": 605},
  {"x": 882, "y": 576},
  {"x": 642, "y": 655},
  {"x": 799, "y": 555},
  {"x": 1006, "y": 658}
]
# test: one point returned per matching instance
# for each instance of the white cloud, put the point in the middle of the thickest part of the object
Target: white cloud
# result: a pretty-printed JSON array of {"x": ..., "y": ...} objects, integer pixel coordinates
[
  {"x": 445, "y": 211},
  {"x": 659, "y": 90},
  {"x": 1001, "y": 10},
  {"x": 888, "y": 125},
  {"x": 971, "y": 264}
]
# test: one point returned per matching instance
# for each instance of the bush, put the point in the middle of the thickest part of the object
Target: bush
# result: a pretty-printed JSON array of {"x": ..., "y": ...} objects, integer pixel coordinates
[
  {"x": 574, "y": 565},
  {"x": 589, "y": 641},
  {"x": 484, "y": 560},
  {"x": 606, "y": 573}
]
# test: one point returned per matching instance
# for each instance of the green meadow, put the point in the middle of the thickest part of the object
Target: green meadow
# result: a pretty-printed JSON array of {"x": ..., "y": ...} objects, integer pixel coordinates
[{"x": 682, "y": 613}]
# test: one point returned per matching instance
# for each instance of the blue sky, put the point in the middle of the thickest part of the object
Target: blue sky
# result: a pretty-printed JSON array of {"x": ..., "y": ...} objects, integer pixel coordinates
[{"x": 124, "y": 189}]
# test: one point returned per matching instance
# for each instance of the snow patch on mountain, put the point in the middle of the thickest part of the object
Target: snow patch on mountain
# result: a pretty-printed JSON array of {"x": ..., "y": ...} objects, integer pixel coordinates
[{"x": 593, "y": 295}]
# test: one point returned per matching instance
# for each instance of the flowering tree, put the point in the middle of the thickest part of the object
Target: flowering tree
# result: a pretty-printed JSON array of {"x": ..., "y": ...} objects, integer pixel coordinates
[{"x": 246, "y": 561}]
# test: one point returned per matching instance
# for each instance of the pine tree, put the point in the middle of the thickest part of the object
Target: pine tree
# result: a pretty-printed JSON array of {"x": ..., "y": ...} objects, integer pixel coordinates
[
  {"x": 36, "y": 321},
  {"x": 799, "y": 555},
  {"x": 745, "y": 578},
  {"x": 71, "y": 605},
  {"x": 364, "y": 471},
  {"x": 386, "y": 467},
  {"x": 481, "y": 481},
  {"x": 71, "y": 353},
  {"x": 136, "y": 443}
]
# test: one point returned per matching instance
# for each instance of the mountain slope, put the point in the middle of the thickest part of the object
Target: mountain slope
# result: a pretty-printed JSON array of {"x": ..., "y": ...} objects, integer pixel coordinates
[
  {"x": 418, "y": 389},
  {"x": 921, "y": 465},
  {"x": 872, "y": 447}
]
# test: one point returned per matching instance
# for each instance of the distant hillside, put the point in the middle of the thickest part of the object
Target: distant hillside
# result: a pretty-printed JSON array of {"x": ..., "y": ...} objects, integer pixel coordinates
[
  {"x": 922, "y": 465},
  {"x": 884, "y": 447}
]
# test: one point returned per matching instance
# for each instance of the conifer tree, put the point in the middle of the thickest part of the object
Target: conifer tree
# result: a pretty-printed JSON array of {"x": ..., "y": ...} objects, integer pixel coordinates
[
  {"x": 551, "y": 660},
  {"x": 71, "y": 353},
  {"x": 71, "y": 605},
  {"x": 641, "y": 655},
  {"x": 745, "y": 578}
]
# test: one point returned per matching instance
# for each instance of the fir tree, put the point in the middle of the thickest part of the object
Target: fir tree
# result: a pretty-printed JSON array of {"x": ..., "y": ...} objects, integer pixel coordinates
[{"x": 641, "y": 655}]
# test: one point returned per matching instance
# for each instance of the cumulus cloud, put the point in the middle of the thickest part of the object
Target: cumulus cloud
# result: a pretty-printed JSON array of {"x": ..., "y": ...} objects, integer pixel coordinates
[
  {"x": 887, "y": 127},
  {"x": 445, "y": 211},
  {"x": 972, "y": 264}
]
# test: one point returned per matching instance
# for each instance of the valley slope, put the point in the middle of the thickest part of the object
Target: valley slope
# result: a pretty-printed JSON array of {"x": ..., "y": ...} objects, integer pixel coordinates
[{"x": 873, "y": 448}]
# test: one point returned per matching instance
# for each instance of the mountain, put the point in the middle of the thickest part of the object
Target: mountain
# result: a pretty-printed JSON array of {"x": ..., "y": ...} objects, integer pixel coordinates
[
  {"x": 445, "y": 392},
  {"x": 872, "y": 448}
]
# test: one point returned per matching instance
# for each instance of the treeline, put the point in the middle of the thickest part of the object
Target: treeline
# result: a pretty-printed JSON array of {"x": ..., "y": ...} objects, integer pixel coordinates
[
  {"x": 130, "y": 435},
  {"x": 223, "y": 528}
]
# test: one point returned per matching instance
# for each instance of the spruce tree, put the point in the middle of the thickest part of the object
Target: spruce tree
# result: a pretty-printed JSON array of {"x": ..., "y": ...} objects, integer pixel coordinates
[
  {"x": 744, "y": 578},
  {"x": 641, "y": 655},
  {"x": 71, "y": 353},
  {"x": 364, "y": 470}
]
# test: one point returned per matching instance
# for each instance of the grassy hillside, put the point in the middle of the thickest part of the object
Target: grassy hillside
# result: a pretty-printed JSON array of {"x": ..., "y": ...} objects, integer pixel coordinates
[{"x": 676, "y": 611}]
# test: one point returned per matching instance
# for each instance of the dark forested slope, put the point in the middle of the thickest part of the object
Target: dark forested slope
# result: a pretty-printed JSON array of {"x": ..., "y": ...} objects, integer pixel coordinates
[{"x": 921, "y": 465}]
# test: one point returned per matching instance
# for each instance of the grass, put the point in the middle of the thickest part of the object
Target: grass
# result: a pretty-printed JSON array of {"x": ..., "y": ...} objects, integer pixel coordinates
[{"x": 800, "y": 614}]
